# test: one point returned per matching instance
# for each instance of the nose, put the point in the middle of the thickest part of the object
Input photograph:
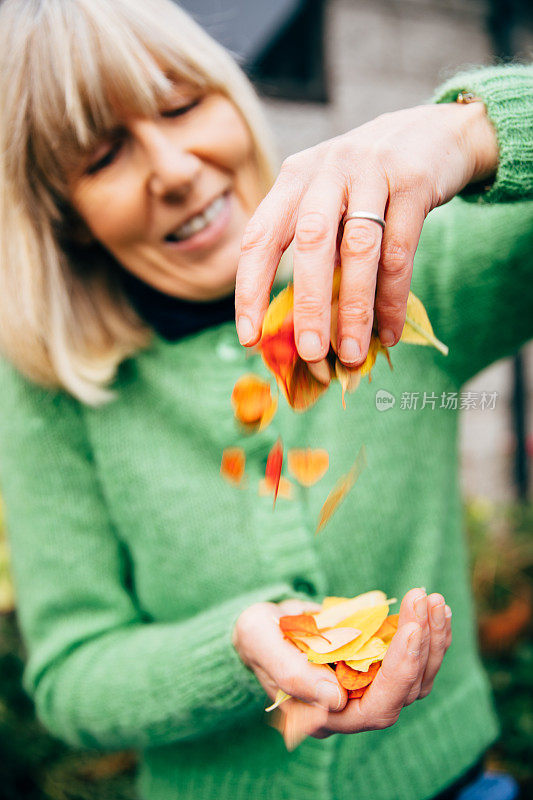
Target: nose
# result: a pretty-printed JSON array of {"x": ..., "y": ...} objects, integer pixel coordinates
[{"x": 172, "y": 168}]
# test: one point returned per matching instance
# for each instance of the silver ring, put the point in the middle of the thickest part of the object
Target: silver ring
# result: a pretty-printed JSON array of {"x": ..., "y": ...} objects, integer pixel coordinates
[{"x": 364, "y": 215}]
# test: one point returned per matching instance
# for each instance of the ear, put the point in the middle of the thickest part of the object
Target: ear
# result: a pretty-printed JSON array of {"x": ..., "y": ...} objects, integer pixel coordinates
[{"x": 75, "y": 229}]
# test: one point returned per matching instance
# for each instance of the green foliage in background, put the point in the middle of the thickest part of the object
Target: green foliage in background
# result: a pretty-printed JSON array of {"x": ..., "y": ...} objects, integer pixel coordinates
[{"x": 34, "y": 766}]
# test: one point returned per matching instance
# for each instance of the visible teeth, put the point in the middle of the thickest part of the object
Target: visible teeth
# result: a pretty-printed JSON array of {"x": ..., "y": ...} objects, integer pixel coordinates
[{"x": 198, "y": 222}]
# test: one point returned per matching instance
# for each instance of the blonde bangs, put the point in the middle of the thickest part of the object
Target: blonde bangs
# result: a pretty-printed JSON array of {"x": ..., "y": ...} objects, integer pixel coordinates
[{"x": 94, "y": 74}]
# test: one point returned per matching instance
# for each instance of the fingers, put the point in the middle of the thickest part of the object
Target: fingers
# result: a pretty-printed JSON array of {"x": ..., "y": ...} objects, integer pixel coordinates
[
  {"x": 400, "y": 240},
  {"x": 267, "y": 235},
  {"x": 314, "y": 248},
  {"x": 414, "y": 608},
  {"x": 279, "y": 664},
  {"x": 439, "y": 616},
  {"x": 360, "y": 249},
  {"x": 381, "y": 704},
  {"x": 295, "y": 606}
]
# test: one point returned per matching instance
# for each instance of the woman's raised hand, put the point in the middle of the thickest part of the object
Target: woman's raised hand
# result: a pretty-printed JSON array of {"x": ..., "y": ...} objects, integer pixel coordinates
[
  {"x": 399, "y": 166},
  {"x": 407, "y": 673}
]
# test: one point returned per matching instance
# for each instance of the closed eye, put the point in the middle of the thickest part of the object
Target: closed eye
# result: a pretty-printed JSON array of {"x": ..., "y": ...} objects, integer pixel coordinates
[
  {"x": 180, "y": 110},
  {"x": 104, "y": 160}
]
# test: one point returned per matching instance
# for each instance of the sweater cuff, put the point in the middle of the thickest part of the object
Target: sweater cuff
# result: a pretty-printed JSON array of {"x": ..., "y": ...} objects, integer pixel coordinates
[
  {"x": 507, "y": 94},
  {"x": 227, "y": 676}
]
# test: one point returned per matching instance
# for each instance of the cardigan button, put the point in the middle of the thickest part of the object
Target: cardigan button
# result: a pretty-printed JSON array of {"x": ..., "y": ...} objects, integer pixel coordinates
[
  {"x": 227, "y": 352},
  {"x": 301, "y": 585}
]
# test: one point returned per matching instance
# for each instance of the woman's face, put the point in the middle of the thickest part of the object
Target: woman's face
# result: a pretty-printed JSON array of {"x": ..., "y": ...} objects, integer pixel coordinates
[{"x": 170, "y": 196}]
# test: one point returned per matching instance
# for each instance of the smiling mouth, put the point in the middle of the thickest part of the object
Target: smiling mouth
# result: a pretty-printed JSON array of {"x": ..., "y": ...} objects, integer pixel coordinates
[{"x": 199, "y": 221}]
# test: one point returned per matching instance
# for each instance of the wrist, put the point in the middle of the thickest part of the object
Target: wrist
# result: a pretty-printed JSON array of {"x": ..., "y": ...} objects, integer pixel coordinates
[{"x": 481, "y": 142}]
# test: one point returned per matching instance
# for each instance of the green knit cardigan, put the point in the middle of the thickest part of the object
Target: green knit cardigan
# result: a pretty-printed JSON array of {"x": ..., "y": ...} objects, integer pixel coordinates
[{"x": 132, "y": 558}]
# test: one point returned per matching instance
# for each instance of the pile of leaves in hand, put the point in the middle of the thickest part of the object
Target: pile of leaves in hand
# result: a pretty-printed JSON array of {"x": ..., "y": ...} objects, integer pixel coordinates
[{"x": 348, "y": 635}]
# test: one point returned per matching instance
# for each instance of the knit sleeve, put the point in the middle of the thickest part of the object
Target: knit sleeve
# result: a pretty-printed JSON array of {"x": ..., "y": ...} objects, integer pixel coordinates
[
  {"x": 508, "y": 96},
  {"x": 474, "y": 272},
  {"x": 101, "y": 674}
]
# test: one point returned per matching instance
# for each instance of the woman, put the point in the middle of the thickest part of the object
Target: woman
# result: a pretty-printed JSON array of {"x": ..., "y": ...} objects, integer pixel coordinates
[{"x": 133, "y": 158}]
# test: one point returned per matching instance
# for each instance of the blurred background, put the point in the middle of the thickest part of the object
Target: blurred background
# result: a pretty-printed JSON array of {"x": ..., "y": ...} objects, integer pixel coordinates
[{"x": 323, "y": 67}]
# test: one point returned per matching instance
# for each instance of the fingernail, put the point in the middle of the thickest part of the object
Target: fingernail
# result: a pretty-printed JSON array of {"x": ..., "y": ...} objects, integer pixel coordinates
[
  {"x": 245, "y": 330},
  {"x": 447, "y": 612},
  {"x": 329, "y": 695},
  {"x": 309, "y": 345},
  {"x": 414, "y": 641},
  {"x": 387, "y": 337},
  {"x": 421, "y": 608},
  {"x": 438, "y": 616},
  {"x": 349, "y": 350}
]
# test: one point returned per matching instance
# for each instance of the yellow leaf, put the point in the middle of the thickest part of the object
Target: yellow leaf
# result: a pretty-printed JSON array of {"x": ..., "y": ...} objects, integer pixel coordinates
[
  {"x": 373, "y": 650},
  {"x": 417, "y": 328},
  {"x": 364, "y": 664},
  {"x": 337, "y": 609},
  {"x": 341, "y": 489},
  {"x": 308, "y": 466},
  {"x": 280, "y": 698},
  {"x": 279, "y": 308},
  {"x": 349, "y": 379},
  {"x": 368, "y": 620},
  {"x": 337, "y": 637}
]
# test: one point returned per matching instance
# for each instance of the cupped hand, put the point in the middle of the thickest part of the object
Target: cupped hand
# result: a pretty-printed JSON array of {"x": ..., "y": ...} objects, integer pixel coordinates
[
  {"x": 399, "y": 166},
  {"x": 407, "y": 673}
]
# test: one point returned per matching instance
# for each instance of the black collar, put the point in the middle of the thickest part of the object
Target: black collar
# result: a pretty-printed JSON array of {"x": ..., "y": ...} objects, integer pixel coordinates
[{"x": 171, "y": 317}]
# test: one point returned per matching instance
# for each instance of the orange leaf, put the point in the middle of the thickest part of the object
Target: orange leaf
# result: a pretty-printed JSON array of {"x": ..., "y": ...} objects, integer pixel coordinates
[
  {"x": 252, "y": 402},
  {"x": 278, "y": 349},
  {"x": 298, "y": 624},
  {"x": 308, "y": 466},
  {"x": 341, "y": 489},
  {"x": 352, "y": 678},
  {"x": 295, "y": 625},
  {"x": 388, "y": 628},
  {"x": 355, "y": 694},
  {"x": 273, "y": 467},
  {"x": 336, "y": 639},
  {"x": 232, "y": 465}
]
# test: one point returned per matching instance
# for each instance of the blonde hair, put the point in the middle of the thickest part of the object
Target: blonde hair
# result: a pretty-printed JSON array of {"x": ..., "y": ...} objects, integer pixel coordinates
[{"x": 64, "y": 320}]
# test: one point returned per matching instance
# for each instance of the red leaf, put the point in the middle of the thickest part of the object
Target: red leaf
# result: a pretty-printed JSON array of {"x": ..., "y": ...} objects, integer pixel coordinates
[{"x": 273, "y": 467}]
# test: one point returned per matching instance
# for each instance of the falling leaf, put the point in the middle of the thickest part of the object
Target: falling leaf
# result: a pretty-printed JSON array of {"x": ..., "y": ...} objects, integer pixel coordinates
[
  {"x": 285, "y": 488},
  {"x": 232, "y": 465},
  {"x": 352, "y": 679},
  {"x": 273, "y": 468},
  {"x": 349, "y": 379},
  {"x": 417, "y": 328},
  {"x": 308, "y": 466},
  {"x": 278, "y": 349},
  {"x": 296, "y": 720},
  {"x": 341, "y": 489},
  {"x": 253, "y": 403}
]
